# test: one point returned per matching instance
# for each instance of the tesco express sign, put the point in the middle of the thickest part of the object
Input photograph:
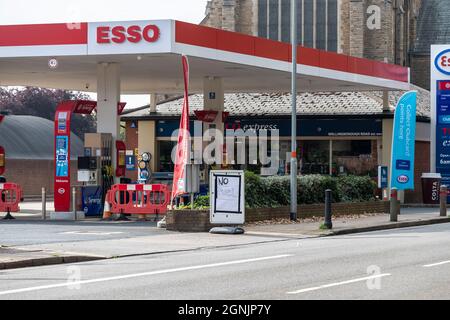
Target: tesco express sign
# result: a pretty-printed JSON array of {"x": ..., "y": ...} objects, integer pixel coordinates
[
  {"x": 132, "y": 34},
  {"x": 442, "y": 62}
]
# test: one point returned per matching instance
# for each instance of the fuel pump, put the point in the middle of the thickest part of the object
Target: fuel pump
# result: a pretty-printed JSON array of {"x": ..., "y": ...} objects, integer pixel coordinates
[{"x": 95, "y": 172}]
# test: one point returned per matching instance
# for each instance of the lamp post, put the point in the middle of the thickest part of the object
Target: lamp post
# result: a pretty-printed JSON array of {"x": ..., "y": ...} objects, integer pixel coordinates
[{"x": 294, "y": 43}]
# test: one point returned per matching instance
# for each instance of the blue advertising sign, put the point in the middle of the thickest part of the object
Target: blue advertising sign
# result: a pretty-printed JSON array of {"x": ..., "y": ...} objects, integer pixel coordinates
[
  {"x": 92, "y": 200},
  {"x": 62, "y": 156},
  {"x": 403, "y": 142},
  {"x": 443, "y": 128},
  {"x": 130, "y": 163}
]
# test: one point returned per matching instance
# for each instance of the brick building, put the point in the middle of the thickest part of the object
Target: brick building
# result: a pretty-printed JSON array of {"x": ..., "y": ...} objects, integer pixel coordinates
[
  {"x": 395, "y": 31},
  {"x": 339, "y": 133},
  {"x": 29, "y": 147}
]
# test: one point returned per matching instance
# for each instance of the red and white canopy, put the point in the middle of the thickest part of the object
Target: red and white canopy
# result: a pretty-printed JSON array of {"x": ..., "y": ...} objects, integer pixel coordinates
[{"x": 148, "y": 52}]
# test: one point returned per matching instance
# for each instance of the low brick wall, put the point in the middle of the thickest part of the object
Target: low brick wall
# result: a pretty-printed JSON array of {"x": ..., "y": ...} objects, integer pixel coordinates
[
  {"x": 198, "y": 220},
  {"x": 188, "y": 221}
]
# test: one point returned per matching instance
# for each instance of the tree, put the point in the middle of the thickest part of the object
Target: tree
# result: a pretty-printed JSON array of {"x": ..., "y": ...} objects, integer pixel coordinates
[{"x": 42, "y": 103}]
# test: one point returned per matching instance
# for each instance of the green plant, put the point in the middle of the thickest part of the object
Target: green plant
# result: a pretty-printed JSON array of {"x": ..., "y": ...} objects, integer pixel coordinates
[
  {"x": 201, "y": 202},
  {"x": 356, "y": 189}
]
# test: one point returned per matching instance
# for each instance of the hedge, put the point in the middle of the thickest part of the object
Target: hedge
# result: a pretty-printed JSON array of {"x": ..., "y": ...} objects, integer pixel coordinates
[{"x": 274, "y": 192}]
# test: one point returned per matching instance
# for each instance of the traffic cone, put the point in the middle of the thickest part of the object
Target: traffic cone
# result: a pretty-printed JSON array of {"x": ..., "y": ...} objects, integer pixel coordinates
[{"x": 107, "y": 211}]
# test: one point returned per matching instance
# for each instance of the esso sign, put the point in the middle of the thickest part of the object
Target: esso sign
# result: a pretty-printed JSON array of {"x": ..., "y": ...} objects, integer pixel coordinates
[
  {"x": 442, "y": 62},
  {"x": 131, "y": 34},
  {"x": 403, "y": 179}
]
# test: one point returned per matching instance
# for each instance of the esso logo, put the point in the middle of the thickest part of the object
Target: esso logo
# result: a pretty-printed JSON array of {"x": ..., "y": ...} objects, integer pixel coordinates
[
  {"x": 61, "y": 191},
  {"x": 83, "y": 108},
  {"x": 403, "y": 179},
  {"x": 442, "y": 62},
  {"x": 133, "y": 34}
]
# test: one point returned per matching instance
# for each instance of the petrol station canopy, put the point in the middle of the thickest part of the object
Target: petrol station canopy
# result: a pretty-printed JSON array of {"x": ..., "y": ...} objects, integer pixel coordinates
[{"x": 149, "y": 56}]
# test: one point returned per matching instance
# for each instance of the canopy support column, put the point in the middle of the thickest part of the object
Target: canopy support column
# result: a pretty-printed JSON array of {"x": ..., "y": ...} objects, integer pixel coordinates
[{"x": 108, "y": 96}]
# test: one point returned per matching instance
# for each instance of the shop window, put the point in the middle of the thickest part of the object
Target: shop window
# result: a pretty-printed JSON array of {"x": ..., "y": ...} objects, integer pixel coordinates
[
  {"x": 354, "y": 157},
  {"x": 315, "y": 157},
  {"x": 165, "y": 156}
]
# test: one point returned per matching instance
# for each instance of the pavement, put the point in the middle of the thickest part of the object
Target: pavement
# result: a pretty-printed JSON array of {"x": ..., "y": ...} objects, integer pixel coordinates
[
  {"x": 410, "y": 263},
  {"x": 411, "y": 216}
]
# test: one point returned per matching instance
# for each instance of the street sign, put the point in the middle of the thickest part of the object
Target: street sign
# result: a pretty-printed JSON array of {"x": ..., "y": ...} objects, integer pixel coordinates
[
  {"x": 383, "y": 177},
  {"x": 227, "y": 197},
  {"x": 130, "y": 162}
]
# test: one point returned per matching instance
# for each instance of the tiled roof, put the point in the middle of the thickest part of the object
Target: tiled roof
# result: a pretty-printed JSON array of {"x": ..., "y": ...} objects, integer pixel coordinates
[
  {"x": 433, "y": 25},
  {"x": 266, "y": 104}
]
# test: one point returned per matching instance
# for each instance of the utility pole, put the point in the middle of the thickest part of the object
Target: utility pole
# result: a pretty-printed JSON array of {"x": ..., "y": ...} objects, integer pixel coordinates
[{"x": 294, "y": 43}]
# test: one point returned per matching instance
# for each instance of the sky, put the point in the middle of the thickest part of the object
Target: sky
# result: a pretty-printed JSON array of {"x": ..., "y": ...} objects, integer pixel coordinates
[{"x": 53, "y": 11}]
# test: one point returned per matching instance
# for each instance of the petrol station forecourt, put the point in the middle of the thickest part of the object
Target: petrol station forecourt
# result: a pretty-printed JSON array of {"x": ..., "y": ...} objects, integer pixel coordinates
[{"x": 141, "y": 57}]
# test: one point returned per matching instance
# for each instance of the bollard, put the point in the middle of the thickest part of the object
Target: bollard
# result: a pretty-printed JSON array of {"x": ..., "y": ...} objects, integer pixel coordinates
[
  {"x": 328, "y": 214},
  {"x": 395, "y": 205},
  {"x": 44, "y": 204},
  {"x": 443, "y": 201},
  {"x": 74, "y": 203}
]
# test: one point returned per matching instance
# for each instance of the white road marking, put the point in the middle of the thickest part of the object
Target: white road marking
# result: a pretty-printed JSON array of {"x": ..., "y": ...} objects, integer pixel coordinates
[
  {"x": 340, "y": 283},
  {"x": 87, "y": 233},
  {"x": 144, "y": 274},
  {"x": 276, "y": 234},
  {"x": 436, "y": 264}
]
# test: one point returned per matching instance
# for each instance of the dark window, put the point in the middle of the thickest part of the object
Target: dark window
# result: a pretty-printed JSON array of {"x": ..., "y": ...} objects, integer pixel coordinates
[
  {"x": 165, "y": 156},
  {"x": 362, "y": 147},
  {"x": 299, "y": 20},
  {"x": 332, "y": 25},
  {"x": 309, "y": 21},
  {"x": 273, "y": 19},
  {"x": 262, "y": 18},
  {"x": 321, "y": 24},
  {"x": 286, "y": 20}
]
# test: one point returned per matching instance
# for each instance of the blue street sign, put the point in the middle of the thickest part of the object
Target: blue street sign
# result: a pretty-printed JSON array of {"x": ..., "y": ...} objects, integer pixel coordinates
[
  {"x": 403, "y": 142},
  {"x": 130, "y": 163},
  {"x": 383, "y": 177}
]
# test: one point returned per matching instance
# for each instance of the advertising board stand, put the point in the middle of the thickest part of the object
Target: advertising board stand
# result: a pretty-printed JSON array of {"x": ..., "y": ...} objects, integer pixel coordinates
[
  {"x": 440, "y": 120},
  {"x": 227, "y": 201}
]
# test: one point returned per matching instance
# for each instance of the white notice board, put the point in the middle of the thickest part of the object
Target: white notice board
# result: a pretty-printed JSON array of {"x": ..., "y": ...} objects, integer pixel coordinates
[{"x": 227, "y": 197}]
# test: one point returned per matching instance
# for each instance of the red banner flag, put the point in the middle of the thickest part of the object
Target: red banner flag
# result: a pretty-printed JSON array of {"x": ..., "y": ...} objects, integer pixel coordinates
[{"x": 183, "y": 146}]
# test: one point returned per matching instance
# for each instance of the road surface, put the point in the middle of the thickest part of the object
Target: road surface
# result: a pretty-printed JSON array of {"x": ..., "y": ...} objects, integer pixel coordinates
[{"x": 401, "y": 264}]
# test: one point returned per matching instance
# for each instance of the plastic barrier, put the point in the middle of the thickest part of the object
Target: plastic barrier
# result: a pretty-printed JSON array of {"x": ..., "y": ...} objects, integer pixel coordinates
[
  {"x": 140, "y": 199},
  {"x": 11, "y": 196}
]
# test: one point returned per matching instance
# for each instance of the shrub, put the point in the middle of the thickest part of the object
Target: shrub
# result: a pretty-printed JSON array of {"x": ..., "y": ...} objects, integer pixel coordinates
[
  {"x": 275, "y": 191},
  {"x": 201, "y": 202},
  {"x": 356, "y": 189},
  {"x": 255, "y": 191}
]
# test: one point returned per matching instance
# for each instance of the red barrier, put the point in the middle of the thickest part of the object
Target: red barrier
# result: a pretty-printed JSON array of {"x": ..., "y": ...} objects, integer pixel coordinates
[
  {"x": 11, "y": 196},
  {"x": 141, "y": 199}
]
